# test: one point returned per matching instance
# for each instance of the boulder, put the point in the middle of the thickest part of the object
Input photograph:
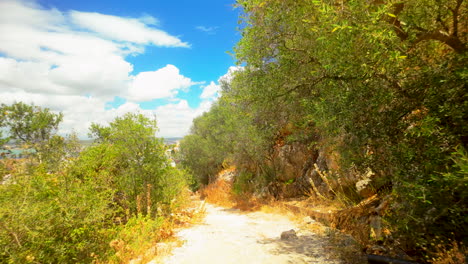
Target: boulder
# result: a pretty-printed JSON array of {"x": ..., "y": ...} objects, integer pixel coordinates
[{"x": 289, "y": 235}]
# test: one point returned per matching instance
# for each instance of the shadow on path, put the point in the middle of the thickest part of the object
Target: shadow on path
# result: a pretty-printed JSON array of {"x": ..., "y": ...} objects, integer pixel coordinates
[{"x": 306, "y": 245}]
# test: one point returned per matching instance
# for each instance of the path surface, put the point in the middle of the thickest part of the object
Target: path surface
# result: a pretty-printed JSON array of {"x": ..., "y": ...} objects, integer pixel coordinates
[{"x": 230, "y": 236}]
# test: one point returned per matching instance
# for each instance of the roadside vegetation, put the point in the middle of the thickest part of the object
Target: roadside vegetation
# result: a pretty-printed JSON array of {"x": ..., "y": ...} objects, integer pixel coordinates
[
  {"x": 107, "y": 203},
  {"x": 374, "y": 92}
]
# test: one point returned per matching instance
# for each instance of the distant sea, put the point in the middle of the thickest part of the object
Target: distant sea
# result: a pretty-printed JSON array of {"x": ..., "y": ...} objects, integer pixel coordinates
[
  {"x": 89, "y": 142},
  {"x": 170, "y": 141},
  {"x": 167, "y": 141}
]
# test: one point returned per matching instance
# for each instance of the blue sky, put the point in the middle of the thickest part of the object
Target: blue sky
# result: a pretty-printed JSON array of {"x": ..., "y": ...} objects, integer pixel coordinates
[{"x": 94, "y": 60}]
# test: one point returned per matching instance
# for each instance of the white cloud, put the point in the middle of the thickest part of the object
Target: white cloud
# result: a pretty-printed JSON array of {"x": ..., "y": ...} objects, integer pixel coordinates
[
  {"x": 30, "y": 14},
  {"x": 126, "y": 29},
  {"x": 162, "y": 83},
  {"x": 210, "y": 91},
  {"x": 208, "y": 30},
  {"x": 149, "y": 20},
  {"x": 79, "y": 111},
  {"x": 175, "y": 120},
  {"x": 213, "y": 90},
  {"x": 230, "y": 74},
  {"x": 54, "y": 52}
]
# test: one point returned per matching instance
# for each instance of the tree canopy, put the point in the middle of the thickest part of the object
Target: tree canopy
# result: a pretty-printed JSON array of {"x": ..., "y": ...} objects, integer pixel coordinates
[{"x": 29, "y": 123}]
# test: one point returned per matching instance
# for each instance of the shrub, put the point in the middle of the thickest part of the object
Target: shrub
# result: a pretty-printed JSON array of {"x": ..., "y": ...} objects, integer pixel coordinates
[{"x": 54, "y": 218}]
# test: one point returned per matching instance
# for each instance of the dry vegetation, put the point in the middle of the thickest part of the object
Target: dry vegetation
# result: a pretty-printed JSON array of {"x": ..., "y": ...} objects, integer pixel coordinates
[{"x": 142, "y": 243}]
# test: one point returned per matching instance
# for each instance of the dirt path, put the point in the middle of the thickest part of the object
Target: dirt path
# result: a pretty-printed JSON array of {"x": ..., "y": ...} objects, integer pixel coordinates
[{"x": 229, "y": 236}]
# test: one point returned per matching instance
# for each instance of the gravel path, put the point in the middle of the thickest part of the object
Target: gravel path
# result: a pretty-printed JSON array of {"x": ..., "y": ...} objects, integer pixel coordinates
[{"x": 230, "y": 236}]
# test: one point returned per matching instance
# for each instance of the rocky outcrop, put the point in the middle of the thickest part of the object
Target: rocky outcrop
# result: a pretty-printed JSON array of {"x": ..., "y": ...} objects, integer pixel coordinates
[
  {"x": 300, "y": 171},
  {"x": 290, "y": 159}
]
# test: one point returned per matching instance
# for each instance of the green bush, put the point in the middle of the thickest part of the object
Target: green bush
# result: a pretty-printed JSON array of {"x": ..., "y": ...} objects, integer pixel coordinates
[{"x": 54, "y": 218}]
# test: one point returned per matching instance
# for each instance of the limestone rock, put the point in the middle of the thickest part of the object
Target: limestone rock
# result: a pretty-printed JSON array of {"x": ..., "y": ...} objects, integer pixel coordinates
[{"x": 289, "y": 235}]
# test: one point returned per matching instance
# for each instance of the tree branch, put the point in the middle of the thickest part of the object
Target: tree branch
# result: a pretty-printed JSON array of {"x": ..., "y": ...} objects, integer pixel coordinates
[
  {"x": 315, "y": 82},
  {"x": 455, "y": 18},
  {"x": 450, "y": 40},
  {"x": 439, "y": 19},
  {"x": 13, "y": 234},
  {"x": 401, "y": 33}
]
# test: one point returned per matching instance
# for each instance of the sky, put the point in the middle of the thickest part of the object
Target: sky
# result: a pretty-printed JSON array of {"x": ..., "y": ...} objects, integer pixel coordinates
[{"x": 96, "y": 60}]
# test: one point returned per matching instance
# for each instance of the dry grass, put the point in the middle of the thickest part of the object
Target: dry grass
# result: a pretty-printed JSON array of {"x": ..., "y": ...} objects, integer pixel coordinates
[
  {"x": 144, "y": 238},
  {"x": 456, "y": 254},
  {"x": 219, "y": 193}
]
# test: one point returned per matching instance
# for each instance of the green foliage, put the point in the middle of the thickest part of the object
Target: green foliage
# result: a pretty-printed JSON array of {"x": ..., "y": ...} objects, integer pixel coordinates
[
  {"x": 73, "y": 205},
  {"x": 57, "y": 149},
  {"x": 53, "y": 218},
  {"x": 381, "y": 83},
  {"x": 227, "y": 134},
  {"x": 243, "y": 183},
  {"x": 133, "y": 160},
  {"x": 29, "y": 124},
  {"x": 2, "y": 140}
]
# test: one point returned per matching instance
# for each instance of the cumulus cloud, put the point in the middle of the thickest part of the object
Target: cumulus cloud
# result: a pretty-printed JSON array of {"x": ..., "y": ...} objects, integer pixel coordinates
[
  {"x": 210, "y": 91},
  {"x": 72, "y": 53},
  {"x": 175, "y": 120},
  {"x": 30, "y": 14},
  {"x": 213, "y": 90},
  {"x": 230, "y": 74},
  {"x": 126, "y": 29},
  {"x": 162, "y": 83}
]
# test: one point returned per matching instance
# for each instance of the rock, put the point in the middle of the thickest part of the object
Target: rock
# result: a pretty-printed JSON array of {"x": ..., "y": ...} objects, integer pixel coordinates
[
  {"x": 290, "y": 159},
  {"x": 308, "y": 220},
  {"x": 376, "y": 249},
  {"x": 322, "y": 161},
  {"x": 289, "y": 235},
  {"x": 227, "y": 175}
]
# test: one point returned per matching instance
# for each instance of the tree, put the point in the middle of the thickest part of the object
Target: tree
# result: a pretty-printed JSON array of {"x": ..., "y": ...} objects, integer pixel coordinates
[
  {"x": 2, "y": 140},
  {"x": 29, "y": 124},
  {"x": 130, "y": 157},
  {"x": 58, "y": 149},
  {"x": 383, "y": 82}
]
